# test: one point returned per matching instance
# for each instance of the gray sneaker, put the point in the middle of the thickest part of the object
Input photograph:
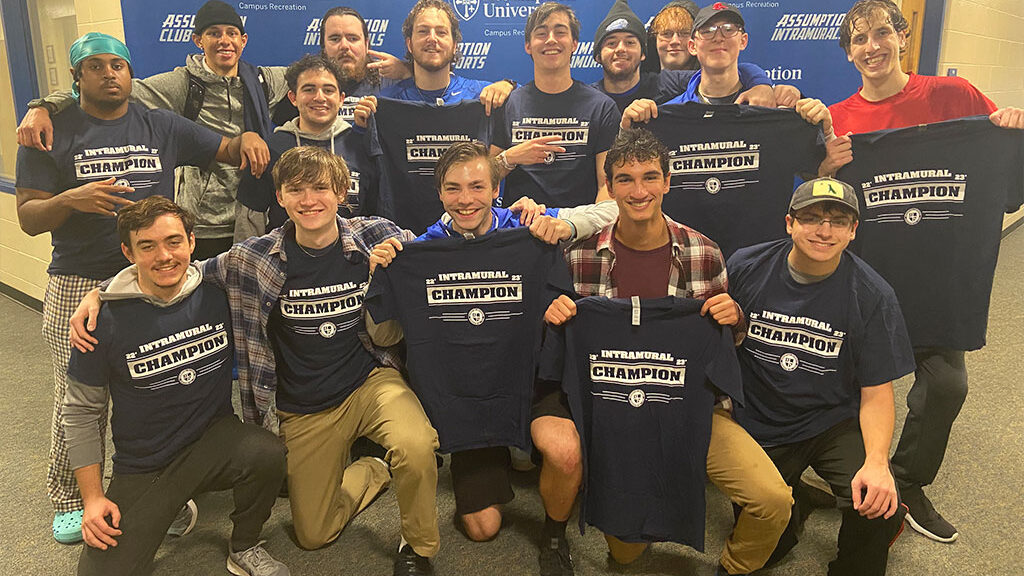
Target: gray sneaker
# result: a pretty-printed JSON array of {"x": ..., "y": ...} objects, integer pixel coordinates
[
  {"x": 185, "y": 521},
  {"x": 255, "y": 562}
]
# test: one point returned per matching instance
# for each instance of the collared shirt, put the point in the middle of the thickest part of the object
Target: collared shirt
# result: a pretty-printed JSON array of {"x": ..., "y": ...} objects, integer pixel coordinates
[
  {"x": 697, "y": 268},
  {"x": 252, "y": 274}
]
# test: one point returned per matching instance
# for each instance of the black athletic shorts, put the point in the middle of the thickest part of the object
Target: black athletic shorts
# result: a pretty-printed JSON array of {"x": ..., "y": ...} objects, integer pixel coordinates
[
  {"x": 480, "y": 478},
  {"x": 549, "y": 400}
]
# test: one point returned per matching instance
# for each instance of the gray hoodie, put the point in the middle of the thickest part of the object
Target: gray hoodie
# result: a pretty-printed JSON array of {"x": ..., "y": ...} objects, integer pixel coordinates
[
  {"x": 85, "y": 405},
  {"x": 209, "y": 193}
]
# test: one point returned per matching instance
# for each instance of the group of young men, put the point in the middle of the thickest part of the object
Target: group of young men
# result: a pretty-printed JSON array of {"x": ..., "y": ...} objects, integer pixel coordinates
[{"x": 96, "y": 169}]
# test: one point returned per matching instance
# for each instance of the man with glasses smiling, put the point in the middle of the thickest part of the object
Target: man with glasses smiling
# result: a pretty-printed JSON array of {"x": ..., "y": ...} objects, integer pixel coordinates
[
  {"x": 619, "y": 49},
  {"x": 825, "y": 339},
  {"x": 716, "y": 39}
]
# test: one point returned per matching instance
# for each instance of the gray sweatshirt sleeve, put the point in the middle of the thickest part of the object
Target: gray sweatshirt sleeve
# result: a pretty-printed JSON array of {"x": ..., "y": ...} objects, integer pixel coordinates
[
  {"x": 61, "y": 100},
  {"x": 167, "y": 90},
  {"x": 589, "y": 219},
  {"x": 274, "y": 77},
  {"x": 84, "y": 406}
]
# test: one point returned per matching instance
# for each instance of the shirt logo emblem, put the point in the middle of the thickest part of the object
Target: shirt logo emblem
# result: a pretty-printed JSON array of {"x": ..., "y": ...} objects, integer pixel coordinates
[
  {"x": 187, "y": 376},
  {"x": 637, "y": 398},
  {"x": 328, "y": 329},
  {"x": 713, "y": 185},
  {"x": 476, "y": 316},
  {"x": 912, "y": 216},
  {"x": 789, "y": 361}
]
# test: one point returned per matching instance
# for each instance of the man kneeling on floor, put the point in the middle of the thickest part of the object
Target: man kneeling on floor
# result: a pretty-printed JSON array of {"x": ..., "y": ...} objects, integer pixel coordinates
[{"x": 168, "y": 372}]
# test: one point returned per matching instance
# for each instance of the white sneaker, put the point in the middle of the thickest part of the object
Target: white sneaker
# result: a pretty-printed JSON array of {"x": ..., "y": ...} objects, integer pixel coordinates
[
  {"x": 255, "y": 561},
  {"x": 185, "y": 521}
]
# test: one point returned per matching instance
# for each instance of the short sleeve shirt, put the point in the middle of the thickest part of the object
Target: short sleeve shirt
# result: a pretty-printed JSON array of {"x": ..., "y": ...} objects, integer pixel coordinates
[{"x": 140, "y": 149}]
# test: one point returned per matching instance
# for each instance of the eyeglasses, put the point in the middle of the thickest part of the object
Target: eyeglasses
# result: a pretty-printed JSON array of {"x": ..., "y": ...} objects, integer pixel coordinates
[
  {"x": 728, "y": 30},
  {"x": 667, "y": 35},
  {"x": 837, "y": 223}
]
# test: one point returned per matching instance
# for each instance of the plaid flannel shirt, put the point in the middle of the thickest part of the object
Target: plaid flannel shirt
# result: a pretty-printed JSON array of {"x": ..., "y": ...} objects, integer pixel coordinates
[
  {"x": 252, "y": 274},
  {"x": 698, "y": 267}
]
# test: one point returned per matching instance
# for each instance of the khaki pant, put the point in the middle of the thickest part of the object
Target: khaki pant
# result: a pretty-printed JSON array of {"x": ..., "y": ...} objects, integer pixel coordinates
[
  {"x": 739, "y": 467},
  {"x": 325, "y": 495}
]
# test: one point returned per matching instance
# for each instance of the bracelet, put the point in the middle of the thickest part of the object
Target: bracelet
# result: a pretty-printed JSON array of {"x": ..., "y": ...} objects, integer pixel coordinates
[
  {"x": 510, "y": 81},
  {"x": 504, "y": 163}
]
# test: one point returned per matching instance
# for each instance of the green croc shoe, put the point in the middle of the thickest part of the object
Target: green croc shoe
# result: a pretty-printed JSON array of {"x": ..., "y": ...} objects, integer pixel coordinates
[{"x": 67, "y": 527}]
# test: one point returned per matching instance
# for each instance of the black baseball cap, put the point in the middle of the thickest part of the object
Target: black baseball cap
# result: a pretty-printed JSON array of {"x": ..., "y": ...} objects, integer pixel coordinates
[{"x": 718, "y": 8}]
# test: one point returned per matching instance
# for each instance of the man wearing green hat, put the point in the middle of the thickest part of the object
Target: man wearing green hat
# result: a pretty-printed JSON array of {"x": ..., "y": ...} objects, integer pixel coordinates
[{"x": 107, "y": 153}]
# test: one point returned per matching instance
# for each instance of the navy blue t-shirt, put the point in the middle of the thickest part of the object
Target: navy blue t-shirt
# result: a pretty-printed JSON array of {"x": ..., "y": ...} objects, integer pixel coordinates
[
  {"x": 932, "y": 200},
  {"x": 168, "y": 371},
  {"x": 642, "y": 398},
  {"x": 471, "y": 312},
  {"x": 733, "y": 168},
  {"x": 667, "y": 84},
  {"x": 810, "y": 348},
  {"x": 314, "y": 328},
  {"x": 140, "y": 149},
  {"x": 588, "y": 122},
  {"x": 406, "y": 139},
  {"x": 259, "y": 194},
  {"x": 458, "y": 89}
]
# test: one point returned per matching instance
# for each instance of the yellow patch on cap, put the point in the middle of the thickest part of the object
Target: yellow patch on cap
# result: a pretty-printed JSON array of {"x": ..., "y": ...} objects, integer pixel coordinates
[{"x": 828, "y": 188}]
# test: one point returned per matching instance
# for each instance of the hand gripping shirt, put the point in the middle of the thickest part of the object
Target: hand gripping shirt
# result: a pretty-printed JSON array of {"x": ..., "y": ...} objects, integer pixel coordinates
[
  {"x": 810, "y": 348},
  {"x": 407, "y": 138},
  {"x": 932, "y": 204},
  {"x": 587, "y": 121},
  {"x": 471, "y": 312},
  {"x": 168, "y": 370},
  {"x": 732, "y": 167},
  {"x": 140, "y": 149},
  {"x": 641, "y": 381}
]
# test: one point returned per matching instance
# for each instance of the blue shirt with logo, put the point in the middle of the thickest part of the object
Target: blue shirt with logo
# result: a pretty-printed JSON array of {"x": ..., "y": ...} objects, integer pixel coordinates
[
  {"x": 140, "y": 149},
  {"x": 168, "y": 370}
]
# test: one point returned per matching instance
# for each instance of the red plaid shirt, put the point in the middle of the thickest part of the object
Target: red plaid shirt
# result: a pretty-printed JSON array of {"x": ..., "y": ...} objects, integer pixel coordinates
[{"x": 697, "y": 271}]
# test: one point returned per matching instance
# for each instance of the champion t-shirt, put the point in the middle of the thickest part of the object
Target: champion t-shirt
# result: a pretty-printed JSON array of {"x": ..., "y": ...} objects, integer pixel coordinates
[
  {"x": 314, "y": 328},
  {"x": 587, "y": 121},
  {"x": 932, "y": 204},
  {"x": 472, "y": 311},
  {"x": 140, "y": 149},
  {"x": 406, "y": 139},
  {"x": 168, "y": 370},
  {"x": 733, "y": 167},
  {"x": 810, "y": 348},
  {"x": 641, "y": 387}
]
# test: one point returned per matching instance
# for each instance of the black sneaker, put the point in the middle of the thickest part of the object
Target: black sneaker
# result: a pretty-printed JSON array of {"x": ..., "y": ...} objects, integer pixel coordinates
[
  {"x": 923, "y": 517},
  {"x": 555, "y": 559},
  {"x": 409, "y": 563}
]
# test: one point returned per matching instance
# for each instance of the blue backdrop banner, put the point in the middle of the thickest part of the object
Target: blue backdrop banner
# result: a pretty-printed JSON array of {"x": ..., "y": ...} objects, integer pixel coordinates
[{"x": 795, "y": 41}]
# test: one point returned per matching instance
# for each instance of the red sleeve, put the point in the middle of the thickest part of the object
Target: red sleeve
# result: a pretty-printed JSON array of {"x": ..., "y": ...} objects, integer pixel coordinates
[{"x": 963, "y": 99}]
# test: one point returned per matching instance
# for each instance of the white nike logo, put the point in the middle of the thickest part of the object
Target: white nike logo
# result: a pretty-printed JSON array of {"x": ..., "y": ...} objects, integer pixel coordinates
[{"x": 456, "y": 93}]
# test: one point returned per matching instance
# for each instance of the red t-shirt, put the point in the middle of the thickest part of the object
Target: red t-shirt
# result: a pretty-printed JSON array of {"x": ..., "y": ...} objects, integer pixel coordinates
[
  {"x": 924, "y": 100},
  {"x": 642, "y": 273}
]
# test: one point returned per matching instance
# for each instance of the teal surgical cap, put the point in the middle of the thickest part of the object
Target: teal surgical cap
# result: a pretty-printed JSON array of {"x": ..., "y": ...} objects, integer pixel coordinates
[{"x": 94, "y": 43}]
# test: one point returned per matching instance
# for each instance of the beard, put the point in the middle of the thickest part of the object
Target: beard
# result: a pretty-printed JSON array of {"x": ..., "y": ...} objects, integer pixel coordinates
[{"x": 615, "y": 76}]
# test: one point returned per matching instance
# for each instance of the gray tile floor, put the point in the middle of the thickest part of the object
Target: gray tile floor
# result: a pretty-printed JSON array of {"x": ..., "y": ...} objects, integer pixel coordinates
[{"x": 979, "y": 487}]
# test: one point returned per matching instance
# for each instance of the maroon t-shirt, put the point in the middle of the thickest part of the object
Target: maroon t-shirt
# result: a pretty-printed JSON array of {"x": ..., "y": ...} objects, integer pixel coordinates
[{"x": 642, "y": 273}]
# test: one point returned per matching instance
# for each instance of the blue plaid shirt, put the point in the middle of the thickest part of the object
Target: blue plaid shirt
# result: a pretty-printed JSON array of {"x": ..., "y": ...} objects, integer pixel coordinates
[{"x": 252, "y": 273}]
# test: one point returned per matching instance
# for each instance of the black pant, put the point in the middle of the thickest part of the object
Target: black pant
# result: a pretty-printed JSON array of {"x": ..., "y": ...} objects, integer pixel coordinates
[
  {"x": 934, "y": 401},
  {"x": 229, "y": 455},
  {"x": 836, "y": 455}
]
